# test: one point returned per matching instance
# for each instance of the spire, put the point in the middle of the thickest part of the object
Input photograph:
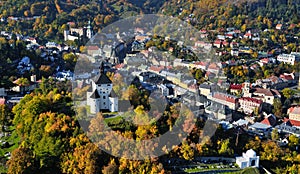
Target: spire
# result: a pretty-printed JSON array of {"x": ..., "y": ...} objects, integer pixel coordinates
[
  {"x": 102, "y": 77},
  {"x": 89, "y": 24},
  {"x": 101, "y": 68}
]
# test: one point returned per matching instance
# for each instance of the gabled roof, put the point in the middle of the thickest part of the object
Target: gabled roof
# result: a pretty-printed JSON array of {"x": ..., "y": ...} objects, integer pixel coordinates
[
  {"x": 267, "y": 92},
  {"x": 294, "y": 110},
  {"x": 270, "y": 120},
  {"x": 102, "y": 79},
  {"x": 236, "y": 86},
  {"x": 249, "y": 99},
  {"x": 292, "y": 122},
  {"x": 93, "y": 48},
  {"x": 95, "y": 94}
]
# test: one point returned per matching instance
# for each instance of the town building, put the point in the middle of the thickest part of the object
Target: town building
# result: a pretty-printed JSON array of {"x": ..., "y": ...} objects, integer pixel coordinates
[
  {"x": 76, "y": 33},
  {"x": 273, "y": 82},
  {"x": 269, "y": 120},
  {"x": 102, "y": 97},
  {"x": 225, "y": 99},
  {"x": 249, "y": 105},
  {"x": 289, "y": 58},
  {"x": 289, "y": 127},
  {"x": 266, "y": 95},
  {"x": 235, "y": 88},
  {"x": 294, "y": 113},
  {"x": 249, "y": 159}
]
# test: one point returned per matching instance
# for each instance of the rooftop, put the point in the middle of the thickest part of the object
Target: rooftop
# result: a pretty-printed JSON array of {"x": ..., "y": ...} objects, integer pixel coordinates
[{"x": 294, "y": 110}]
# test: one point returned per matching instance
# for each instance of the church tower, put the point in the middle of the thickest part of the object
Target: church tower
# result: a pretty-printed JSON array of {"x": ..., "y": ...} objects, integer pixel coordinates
[
  {"x": 246, "y": 89},
  {"x": 89, "y": 31},
  {"x": 102, "y": 97}
]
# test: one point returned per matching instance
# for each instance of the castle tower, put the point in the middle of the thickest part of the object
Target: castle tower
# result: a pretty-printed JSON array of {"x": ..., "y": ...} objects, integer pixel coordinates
[
  {"x": 89, "y": 31},
  {"x": 102, "y": 96}
]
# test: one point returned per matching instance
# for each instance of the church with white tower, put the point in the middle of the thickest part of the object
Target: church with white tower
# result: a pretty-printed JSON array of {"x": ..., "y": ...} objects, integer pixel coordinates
[
  {"x": 102, "y": 97},
  {"x": 76, "y": 33}
]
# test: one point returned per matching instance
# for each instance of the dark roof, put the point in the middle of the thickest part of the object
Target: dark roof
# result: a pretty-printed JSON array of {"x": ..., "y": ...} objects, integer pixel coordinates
[
  {"x": 206, "y": 86},
  {"x": 95, "y": 94},
  {"x": 113, "y": 94},
  {"x": 102, "y": 79},
  {"x": 270, "y": 120}
]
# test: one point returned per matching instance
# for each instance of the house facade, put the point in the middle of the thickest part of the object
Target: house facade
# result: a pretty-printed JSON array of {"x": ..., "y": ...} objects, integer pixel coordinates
[
  {"x": 288, "y": 58},
  {"x": 248, "y": 104},
  {"x": 294, "y": 113}
]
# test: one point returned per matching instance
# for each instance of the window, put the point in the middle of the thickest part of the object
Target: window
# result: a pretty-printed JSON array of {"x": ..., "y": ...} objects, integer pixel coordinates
[{"x": 104, "y": 97}]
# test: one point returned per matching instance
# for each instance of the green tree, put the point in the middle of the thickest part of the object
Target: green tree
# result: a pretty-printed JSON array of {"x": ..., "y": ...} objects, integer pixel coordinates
[
  {"x": 293, "y": 141},
  {"x": 288, "y": 93},
  {"x": 5, "y": 116},
  {"x": 186, "y": 151},
  {"x": 275, "y": 135},
  {"x": 271, "y": 151},
  {"x": 277, "y": 107},
  {"x": 225, "y": 149}
]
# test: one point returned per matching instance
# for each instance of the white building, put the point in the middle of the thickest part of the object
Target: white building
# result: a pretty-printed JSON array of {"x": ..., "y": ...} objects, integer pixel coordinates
[
  {"x": 289, "y": 58},
  {"x": 164, "y": 89},
  {"x": 249, "y": 159},
  {"x": 102, "y": 97},
  {"x": 75, "y": 33}
]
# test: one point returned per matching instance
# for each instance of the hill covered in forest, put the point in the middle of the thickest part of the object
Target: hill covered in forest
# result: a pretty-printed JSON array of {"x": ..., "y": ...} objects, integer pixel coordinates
[{"x": 48, "y": 19}]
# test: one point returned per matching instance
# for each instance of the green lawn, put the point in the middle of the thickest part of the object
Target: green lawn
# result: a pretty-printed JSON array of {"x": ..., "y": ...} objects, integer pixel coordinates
[
  {"x": 226, "y": 170},
  {"x": 113, "y": 119},
  {"x": 13, "y": 141},
  {"x": 212, "y": 167}
]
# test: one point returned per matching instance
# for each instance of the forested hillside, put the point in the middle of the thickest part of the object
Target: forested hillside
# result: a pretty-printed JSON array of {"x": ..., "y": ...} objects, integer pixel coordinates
[{"x": 48, "y": 19}]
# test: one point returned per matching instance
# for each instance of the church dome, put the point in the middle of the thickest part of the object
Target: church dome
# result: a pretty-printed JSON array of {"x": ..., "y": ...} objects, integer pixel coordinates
[{"x": 251, "y": 153}]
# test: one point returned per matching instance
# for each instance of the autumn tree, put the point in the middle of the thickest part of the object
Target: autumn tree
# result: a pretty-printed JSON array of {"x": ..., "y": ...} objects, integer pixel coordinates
[
  {"x": 277, "y": 107},
  {"x": 288, "y": 93},
  {"x": 271, "y": 151},
  {"x": 274, "y": 135},
  {"x": 293, "y": 141},
  {"x": 112, "y": 168},
  {"x": 22, "y": 161},
  {"x": 70, "y": 59},
  {"x": 5, "y": 116}
]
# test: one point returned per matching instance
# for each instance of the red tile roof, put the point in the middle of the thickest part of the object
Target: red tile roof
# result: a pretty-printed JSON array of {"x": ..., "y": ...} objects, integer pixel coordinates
[
  {"x": 248, "y": 34},
  {"x": 233, "y": 86},
  {"x": 225, "y": 97},
  {"x": 201, "y": 63},
  {"x": 287, "y": 76},
  {"x": 294, "y": 110},
  {"x": 218, "y": 42},
  {"x": 213, "y": 66},
  {"x": 2, "y": 101},
  {"x": 118, "y": 66},
  {"x": 251, "y": 100},
  {"x": 156, "y": 69},
  {"x": 267, "y": 92},
  {"x": 265, "y": 60},
  {"x": 93, "y": 48},
  {"x": 292, "y": 122},
  {"x": 270, "y": 120}
]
